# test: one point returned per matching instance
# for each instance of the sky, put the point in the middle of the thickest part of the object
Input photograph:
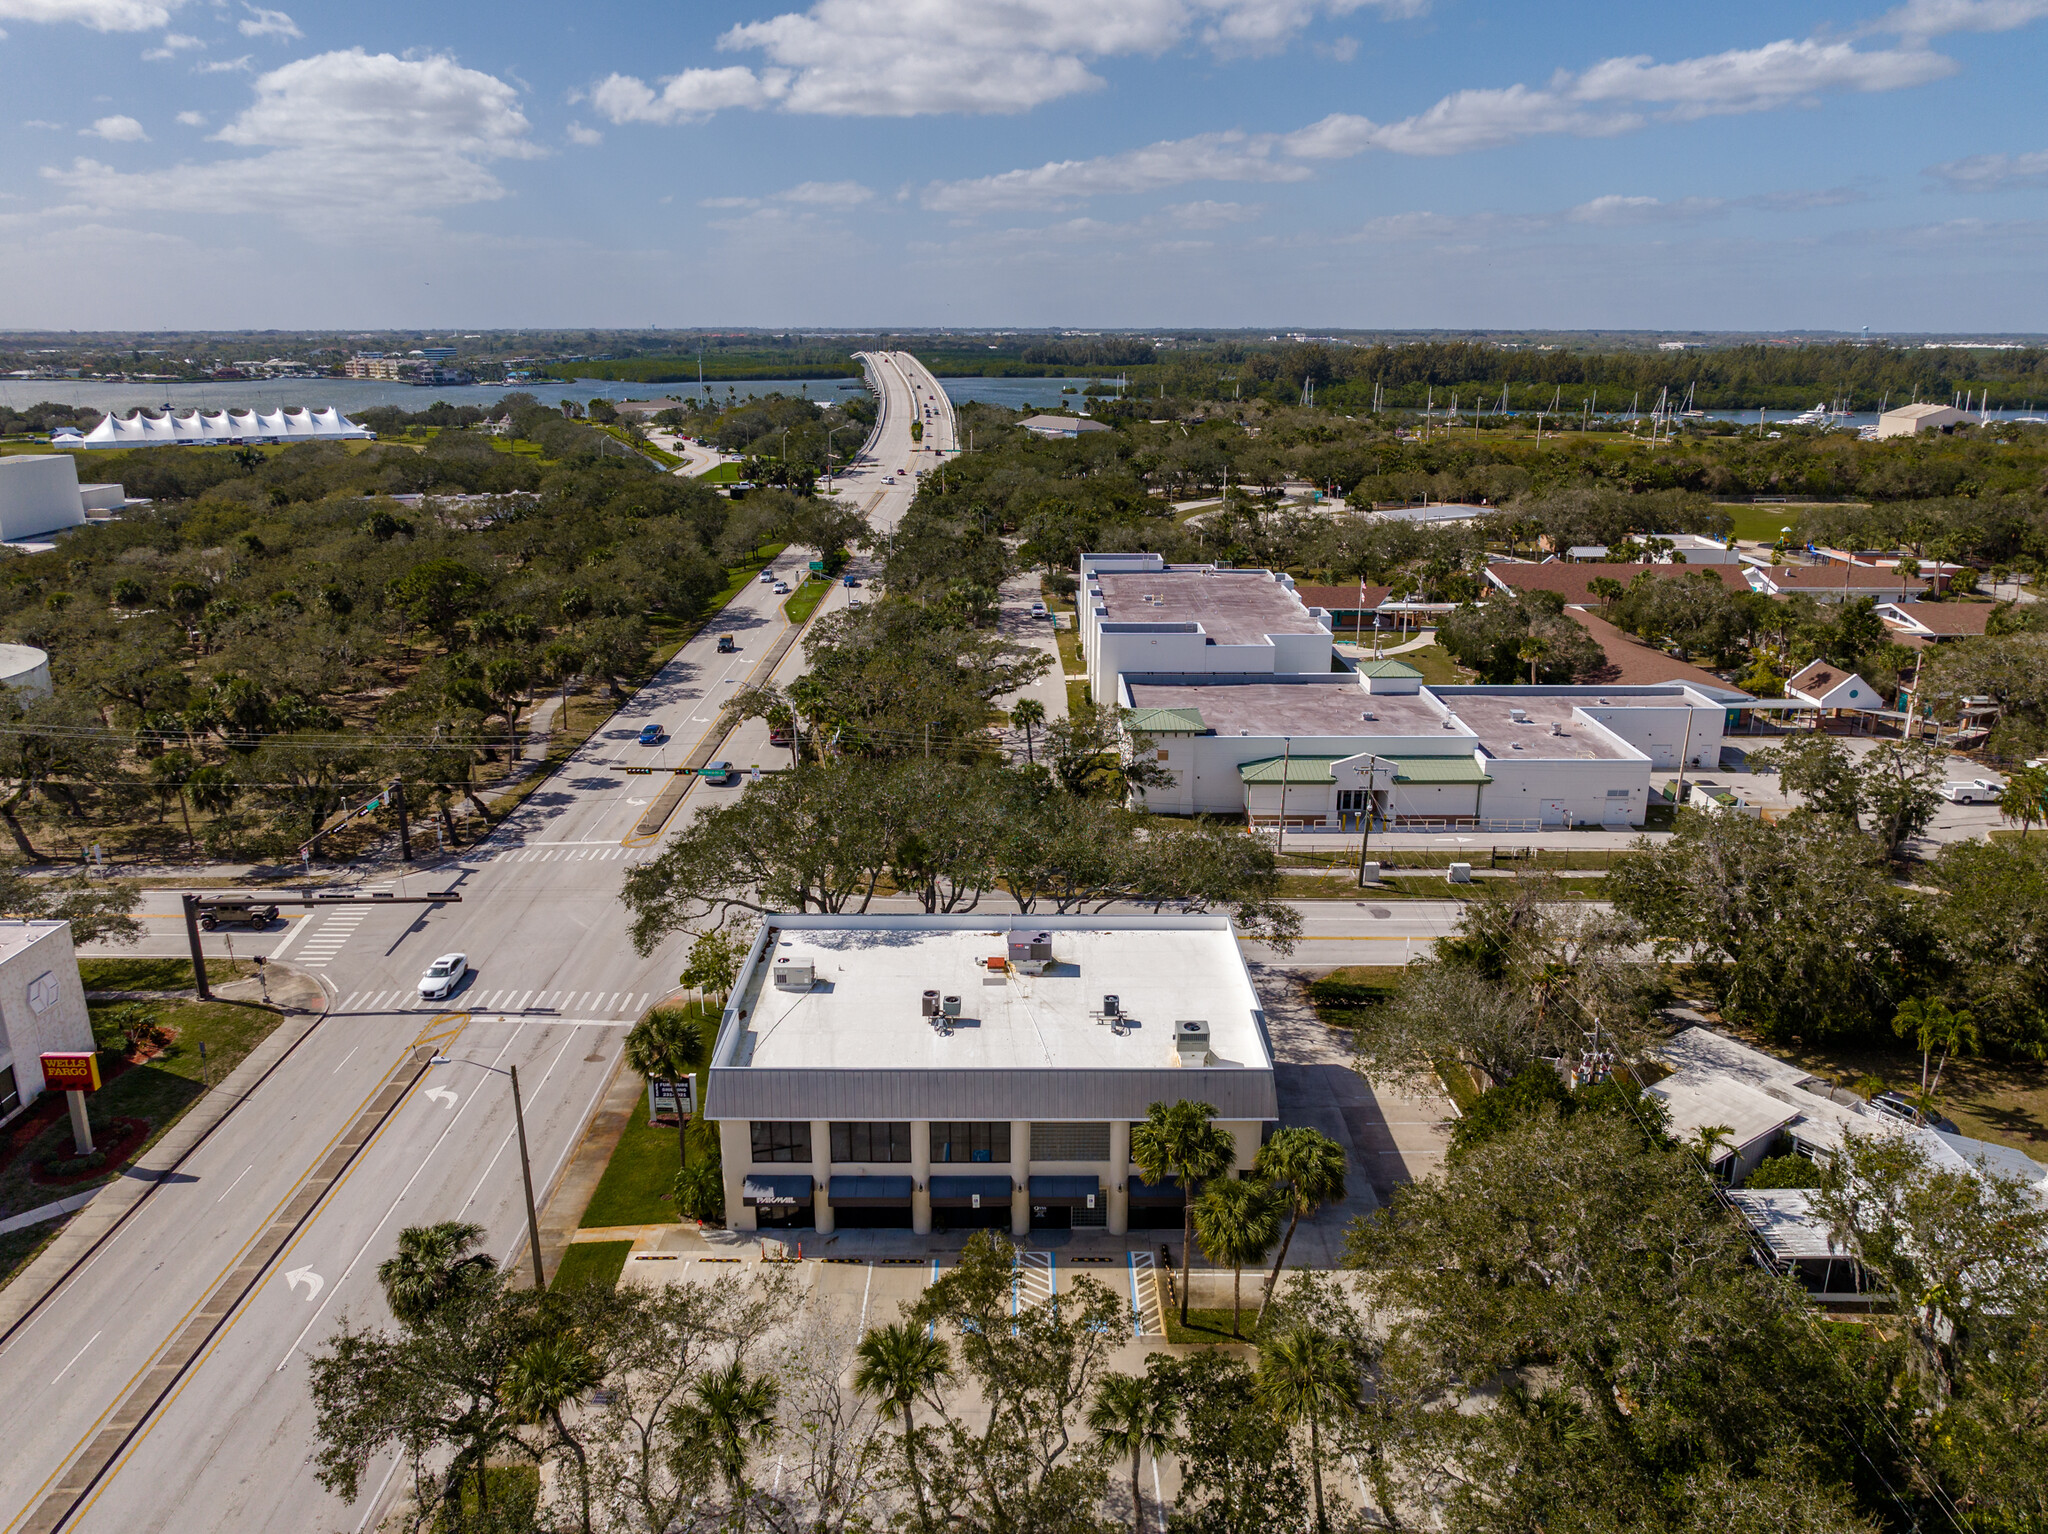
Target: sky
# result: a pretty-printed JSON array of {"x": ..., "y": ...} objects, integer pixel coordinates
[{"x": 1294, "y": 164}]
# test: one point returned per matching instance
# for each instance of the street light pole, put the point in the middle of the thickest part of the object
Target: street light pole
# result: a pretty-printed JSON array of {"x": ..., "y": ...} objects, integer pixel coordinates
[
  {"x": 1365, "y": 826},
  {"x": 540, "y": 1279}
]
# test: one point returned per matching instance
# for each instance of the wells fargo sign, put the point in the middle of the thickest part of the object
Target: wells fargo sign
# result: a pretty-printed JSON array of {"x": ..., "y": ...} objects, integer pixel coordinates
[{"x": 72, "y": 1071}]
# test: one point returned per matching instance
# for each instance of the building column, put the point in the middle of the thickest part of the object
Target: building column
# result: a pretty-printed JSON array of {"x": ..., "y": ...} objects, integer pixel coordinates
[
  {"x": 736, "y": 1153},
  {"x": 921, "y": 1176},
  {"x": 1119, "y": 1176},
  {"x": 821, "y": 1174},
  {"x": 1020, "y": 1177}
]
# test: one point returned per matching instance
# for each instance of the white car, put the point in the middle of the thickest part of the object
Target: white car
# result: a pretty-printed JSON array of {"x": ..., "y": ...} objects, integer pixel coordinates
[
  {"x": 443, "y": 976},
  {"x": 782, "y": 588},
  {"x": 767, "y": 577},
  {"x": 1976, "y": 791}
]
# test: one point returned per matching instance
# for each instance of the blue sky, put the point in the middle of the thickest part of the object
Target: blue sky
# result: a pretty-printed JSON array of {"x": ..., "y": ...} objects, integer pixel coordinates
[{"x": 1090, "y": 163}]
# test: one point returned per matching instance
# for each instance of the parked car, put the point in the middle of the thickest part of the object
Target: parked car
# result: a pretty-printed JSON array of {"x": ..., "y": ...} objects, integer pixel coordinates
[
  {"x": 727, "y": 644},
  {"x": 650, "y": 734},
  {"x": 719, "y": 774},
  {"x": 443, "y": 976},
  {"x": 231, "y": 915}
]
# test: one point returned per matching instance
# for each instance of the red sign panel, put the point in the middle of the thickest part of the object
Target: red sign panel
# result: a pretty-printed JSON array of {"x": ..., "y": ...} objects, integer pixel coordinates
[{"x": 72, "y": 1071}]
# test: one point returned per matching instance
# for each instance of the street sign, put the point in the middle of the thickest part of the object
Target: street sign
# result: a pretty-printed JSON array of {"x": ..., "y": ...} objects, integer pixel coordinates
[
  {"x": 72, "y": 1071},
  {"x": 672, "y": 1097}
]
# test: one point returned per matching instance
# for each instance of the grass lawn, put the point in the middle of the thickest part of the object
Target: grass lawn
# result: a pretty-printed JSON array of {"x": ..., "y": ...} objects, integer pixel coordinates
[
  {"x": 1214, "y": 1325},
  {"x": 155, "y": 974},
  {"x": 1070, "y": 652},
  {"x": 1344, "y": 995},
  {"x": 638, "y": 1184},
  {"x": 799, "y": 607},
  {"x": 157, "y": 1091},
  {"x": 1435, "y": 664},
  {"x": 1077, "y": 695},
  {"x": 18, "y": 1248},
  {"x": 720, "y": 474},
  {"x": 589, "y": 1263}
]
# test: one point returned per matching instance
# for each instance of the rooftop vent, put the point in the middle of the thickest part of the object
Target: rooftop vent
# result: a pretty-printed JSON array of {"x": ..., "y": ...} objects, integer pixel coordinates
[
  {"x": 1368, "y": 715},
  {"x": 1244, "y": 732},
  {"x": 1030, "y": 952},
  {"x": 1191, "y": 1042},
  {"x": 1519, "y": 715},
  {"x": 1556, "y": 728},
  {"x": 794, "y": 973},
  {"x": 1450, "y": 723}
]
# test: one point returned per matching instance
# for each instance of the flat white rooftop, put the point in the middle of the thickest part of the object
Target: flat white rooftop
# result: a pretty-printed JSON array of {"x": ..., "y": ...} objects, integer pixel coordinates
[
  {"x": 1311, "y": 707},
  {"x": 17, "y": 935},
  {"x": 1491, "y": 717},
  {"x": 1232, "y": 606},
  {"x": 856, "y": 1043}
]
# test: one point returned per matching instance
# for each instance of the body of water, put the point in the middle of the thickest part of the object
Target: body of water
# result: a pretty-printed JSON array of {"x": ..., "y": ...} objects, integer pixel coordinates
[{"x": 350, "y": 394}]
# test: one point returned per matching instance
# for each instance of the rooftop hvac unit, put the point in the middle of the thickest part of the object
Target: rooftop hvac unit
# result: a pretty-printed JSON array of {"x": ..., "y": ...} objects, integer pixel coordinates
[
  {"x": 1030, "y": 952},
  {"x": 949, "y": 1006},
  {"x": 931, "y": 1004},
  {"x": 1111, "y": 1007},
  {"x": 794, "y": 973},
  {"x": 1191, "y": 1041}
]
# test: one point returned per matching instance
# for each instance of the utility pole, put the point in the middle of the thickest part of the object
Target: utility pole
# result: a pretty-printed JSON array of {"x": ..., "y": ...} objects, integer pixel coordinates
[
  {"x": 540, "y": 1278},
  {"x": 1365, "y": 825},
  {"x": 404, "y": 827}
]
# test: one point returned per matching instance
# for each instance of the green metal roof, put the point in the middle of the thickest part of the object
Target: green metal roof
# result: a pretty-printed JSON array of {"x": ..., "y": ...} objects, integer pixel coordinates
[
  {"x": 1389, "y": 668},
  {"x": 1300, "y": 769},
  {"x": 1438, "y": 769},
  {"x": 1164, "y": 721}
]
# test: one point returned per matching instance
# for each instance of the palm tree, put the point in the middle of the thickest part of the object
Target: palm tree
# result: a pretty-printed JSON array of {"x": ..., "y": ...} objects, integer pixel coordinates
[
  {"x": 1178, "y": 1140},
  {"x": 433, "y": 1265},
  {"x": 1933, "y": 1026},
  {"x": 1134, "y": 1414},
  {"x": 898, "y": 1364},
  {"x": 1307, "y": 1377},
  {"x": 1309, "y": 1167},
  {"x": 2025, "y": 798},
  {"x": 1028, "y": 715},
  {"x": 732, "y": 1413},
  {"x": 553, "y": 1371},
  {"x": 1710, "y": 1142},
  {"x": 1238, "y": 1222},
  {"x": 1533, "y": 650},
  {"x": 668, "y": 1045}
]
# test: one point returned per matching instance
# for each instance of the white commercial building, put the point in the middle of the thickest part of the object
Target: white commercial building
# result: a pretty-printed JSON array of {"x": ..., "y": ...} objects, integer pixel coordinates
[
  {"x": 917, "y": 1071},
  {"x": 1911, "y": 420},
  {"x": 1236, "y": 682},
  {"x": 39, "y": 493},
  {"x": 42, "y": 1007},
  {"x": 218, "y": 428}
]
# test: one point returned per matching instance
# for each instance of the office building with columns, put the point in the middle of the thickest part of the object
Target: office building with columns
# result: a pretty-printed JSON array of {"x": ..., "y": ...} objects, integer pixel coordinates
[{"x": 945, "y": 1072}]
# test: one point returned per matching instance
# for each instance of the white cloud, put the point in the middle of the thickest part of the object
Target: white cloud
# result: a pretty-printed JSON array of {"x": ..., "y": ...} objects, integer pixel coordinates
[
  {"x": 1210, "y": 215},
  {"x": 192, "y": 119},
  {"x": 728, "y": 202},
  {"x": 1803, "y": 199},
  {"x": 1618, "y": 212},
  {"x": 589, "y": 138},
  {"x": 829, "y": 194},
  {"x": 225, "y": 66},
  {"x": 100, "y": 15},
  {"x": 1921, "y": 19},
  {"x": 690, "y": 96},
  {"x": 116, "y": 130},
  {"x": 346, "y": 135},
  {"x": 905, "y": 58},
  {"x": 1993, "y": 172},
  {"x": 37, "y": 122},
  {"x": 1614, "y": 96},
  {"x": 173, "y": 44},
  {"x": 262, "y": 23}
]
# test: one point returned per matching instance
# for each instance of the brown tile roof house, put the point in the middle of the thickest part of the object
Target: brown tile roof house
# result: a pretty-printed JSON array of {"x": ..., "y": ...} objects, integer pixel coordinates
[
  {"x": 1834, "y": 580},
  {"x": 1630, "y": 662},
  {"x": 1929, "y": 621},
  {"x": 1342, "y": 599},
  {"x": 1574, "y": 582}
]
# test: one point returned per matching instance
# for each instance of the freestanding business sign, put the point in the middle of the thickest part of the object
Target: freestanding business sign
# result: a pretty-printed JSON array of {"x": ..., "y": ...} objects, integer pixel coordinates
[
  {"x": 72, "y": 1071},
  {"x": 677, "y": 1097}
]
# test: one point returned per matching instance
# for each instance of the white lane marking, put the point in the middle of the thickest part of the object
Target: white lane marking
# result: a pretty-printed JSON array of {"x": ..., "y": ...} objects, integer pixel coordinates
[
  {"x": 442, "y": 1095},
  {"x": 418, "y": 1172},
  {"x": 370, "y": 1511},
  {"x": 525, "y": 999},
  {"x": 95, "y": 1337},
  {"x": 224, "y": 1192},
  {"x": 352, "y": 995},
  {"x": 865, "y": 1290},
  {"x": 313, "y": 1281},
  {"x": 298, "y": 928},
  {"x": 344, "y": 1060},
  {"x": 510, "y": 1133}
]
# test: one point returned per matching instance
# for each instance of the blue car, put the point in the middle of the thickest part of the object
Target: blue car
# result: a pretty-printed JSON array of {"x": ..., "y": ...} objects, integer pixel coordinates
[{"x": 650, "y": 735}]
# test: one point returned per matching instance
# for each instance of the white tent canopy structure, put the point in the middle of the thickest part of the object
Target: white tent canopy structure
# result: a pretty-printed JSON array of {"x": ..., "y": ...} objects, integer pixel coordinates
[{"x": 219, "y": 428}]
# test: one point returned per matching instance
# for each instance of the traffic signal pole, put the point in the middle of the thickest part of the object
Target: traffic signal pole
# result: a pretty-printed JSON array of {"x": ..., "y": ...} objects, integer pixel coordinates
[{"x": 192, "y": 905}]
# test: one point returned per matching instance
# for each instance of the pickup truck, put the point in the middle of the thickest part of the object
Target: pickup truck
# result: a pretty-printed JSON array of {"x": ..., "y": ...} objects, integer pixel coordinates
[{"x": 1976, "y": 791}]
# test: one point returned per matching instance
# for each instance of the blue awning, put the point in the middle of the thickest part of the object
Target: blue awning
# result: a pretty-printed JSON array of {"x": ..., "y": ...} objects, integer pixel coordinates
[
  {"x": 1071, "y": 1192},
  {"x": 768, "y": 1190},
  {"x": 871, "y": 1192},
  {"x": 1143, "y": 1192},
  {"x": 959, "y": 1192}
]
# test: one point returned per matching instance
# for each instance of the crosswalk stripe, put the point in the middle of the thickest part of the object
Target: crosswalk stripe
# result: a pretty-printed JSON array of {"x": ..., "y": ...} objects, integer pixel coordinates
[{"x": 524, "y": 1000}]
